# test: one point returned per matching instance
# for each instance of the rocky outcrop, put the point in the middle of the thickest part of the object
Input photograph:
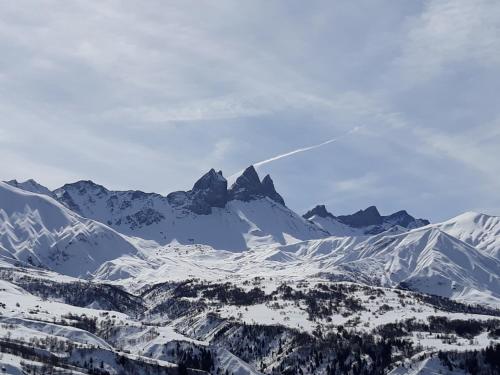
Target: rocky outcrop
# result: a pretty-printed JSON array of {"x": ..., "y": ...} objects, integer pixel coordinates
[
  {"x": 269, "y": 190},
  {"x": 248, "y": 187},
  {"x": 362, "y": 218},
  {"x": 320, "y": 210},
  {"x": 209, "y": 191}
]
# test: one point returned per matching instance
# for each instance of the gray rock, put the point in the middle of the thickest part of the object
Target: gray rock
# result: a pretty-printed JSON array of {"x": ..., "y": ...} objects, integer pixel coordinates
[
  {"x": 248, "y": 187},
  {"x": 269, "y": 190},
  {"x": 320, "y": 210},
  {"x": 208, "y": 192},
  {"x": 362, "y": 218}
]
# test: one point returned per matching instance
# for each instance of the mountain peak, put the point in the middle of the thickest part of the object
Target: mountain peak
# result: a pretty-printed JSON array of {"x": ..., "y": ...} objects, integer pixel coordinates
[
  {"x": 248, "y": 187},
  {"x": 363, "y": 218},
  {"x": 269, "y": 190},
  {"x": 210, "y": 191},
  {"x": 320, "y": 210},
  {"x": 211, "y": 179},
  {"x": 31, "y": 186}
]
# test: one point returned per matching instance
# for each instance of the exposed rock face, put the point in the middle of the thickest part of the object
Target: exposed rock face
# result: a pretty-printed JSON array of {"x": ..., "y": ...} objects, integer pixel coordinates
[
  {"x": 248, "y": 187},
  {"x": 68, "y": 193},
  {"x": 211, "y": 188},
  {"x": 269, "y": 190},
  {"x": 209, "y": 191},
  {"x": 320, "y": 210},
  {"x": 404, "y": 219},
  {"x": 363, "y": 218}
]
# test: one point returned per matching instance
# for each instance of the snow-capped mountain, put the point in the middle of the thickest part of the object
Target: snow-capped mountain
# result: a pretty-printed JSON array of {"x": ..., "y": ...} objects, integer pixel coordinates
[
  {"x": 249, "y": 213},
  {"x": 37, "y": 230},
  {"x": 222, "y": 279},
  {"x": 363, "y": 222},
  {"x": 478, "y": 230},
  {"x": 430, "y": 261}
]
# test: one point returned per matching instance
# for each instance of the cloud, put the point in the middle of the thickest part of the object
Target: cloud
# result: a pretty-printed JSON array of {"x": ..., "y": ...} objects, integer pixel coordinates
[
  {"x": 448, "y": 32},
  {"x": 150, "y": 95}
]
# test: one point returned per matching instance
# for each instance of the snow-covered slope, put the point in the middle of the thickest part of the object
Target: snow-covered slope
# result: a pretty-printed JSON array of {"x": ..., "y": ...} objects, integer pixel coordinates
[
  {"x": 37, "y": 230},
  {"x": 232, "y": 281},
  {"x": 478, "y": 230},
  {"x": 32, "y": 186},
  {"x": 248, "y": 214},
  {"x": 433, "y": 262},
  {"x": 426, "y": 260}
]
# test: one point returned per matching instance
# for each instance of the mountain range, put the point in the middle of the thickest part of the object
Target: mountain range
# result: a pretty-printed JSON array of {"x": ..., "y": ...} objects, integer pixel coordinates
[
  {"x": 202, "y": 267},
  {"x": 82, "y": 228}
]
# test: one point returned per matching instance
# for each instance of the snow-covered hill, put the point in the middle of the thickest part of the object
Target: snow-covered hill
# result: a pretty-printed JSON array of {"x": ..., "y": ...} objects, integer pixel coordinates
[
  {"x": 478, "y": 230},
  {"x": 426, "y": 260},
  {"x": 35, "y": 229}
]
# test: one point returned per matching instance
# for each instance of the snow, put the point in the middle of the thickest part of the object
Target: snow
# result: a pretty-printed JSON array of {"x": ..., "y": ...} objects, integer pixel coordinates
[
  {"x": 426, "y": 259},
  {"x": 236, "y": 227},
  {"x": 38, "y": 230},
  {"x": 478, "y": 230},
  {"x": 428, "y": 366},
  {"x": 258, "y": 243}
]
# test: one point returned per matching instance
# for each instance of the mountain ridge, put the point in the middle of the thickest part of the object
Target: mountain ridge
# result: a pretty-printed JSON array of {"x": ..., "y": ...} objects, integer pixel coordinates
[{"x": 367, "y": 221}]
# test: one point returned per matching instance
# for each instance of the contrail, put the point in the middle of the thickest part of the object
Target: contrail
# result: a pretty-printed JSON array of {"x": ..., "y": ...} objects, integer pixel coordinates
[{"x": 297, "y": 151}]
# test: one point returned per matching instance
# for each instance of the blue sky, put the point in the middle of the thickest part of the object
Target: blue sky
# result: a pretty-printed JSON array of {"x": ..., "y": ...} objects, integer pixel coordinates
[{"x": 150, "y": 95}]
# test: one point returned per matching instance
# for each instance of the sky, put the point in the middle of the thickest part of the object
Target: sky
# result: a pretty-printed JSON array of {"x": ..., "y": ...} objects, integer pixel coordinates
[{"x": 151, "y": 95}]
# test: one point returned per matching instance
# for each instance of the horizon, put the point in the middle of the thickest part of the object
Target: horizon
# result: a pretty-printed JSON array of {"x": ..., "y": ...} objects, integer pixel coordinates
[{"x": 301, "y": 213}]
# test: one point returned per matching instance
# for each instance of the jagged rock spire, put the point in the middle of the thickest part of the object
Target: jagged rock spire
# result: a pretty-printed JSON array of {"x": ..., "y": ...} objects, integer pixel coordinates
[
  {"x": 211, "y": 191},
  {"x": 211, "y": 188},
  {"x": 269, "y": 190},
  {"x": 248, "y": 187}
]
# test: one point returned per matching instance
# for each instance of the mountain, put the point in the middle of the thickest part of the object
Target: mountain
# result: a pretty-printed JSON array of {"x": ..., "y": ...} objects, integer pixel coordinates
[
  {"x": 430, "y": 261},
  {"x": 32, "y": 186},
  {"x": 160, "y": 292},
  {"x": 248, "y": 187},
  {"x": 249, "y": 213},
  {"x": 36, "y": 230},
  {"x": 453, "y": 259},
  {"x": 364, "y": 222},
  {"x": 425, "y": 259},
  {"x": 478, "y": 230}
]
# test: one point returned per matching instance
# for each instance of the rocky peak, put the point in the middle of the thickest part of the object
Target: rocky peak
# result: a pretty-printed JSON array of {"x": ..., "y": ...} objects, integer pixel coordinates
[
  {"x": 269, "y": 190},
  {"x": 211, "y": 188},
  {"x": 320, "y": 210},
  {"x": 211, "y": 180},
  {"x": 363, "y": 218},
  {"x": 83, "y": 187},
  {"x": 404, "y": 219},
  {"x": 208, "y": 192},
  {"x": 248, "y": 187}
]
